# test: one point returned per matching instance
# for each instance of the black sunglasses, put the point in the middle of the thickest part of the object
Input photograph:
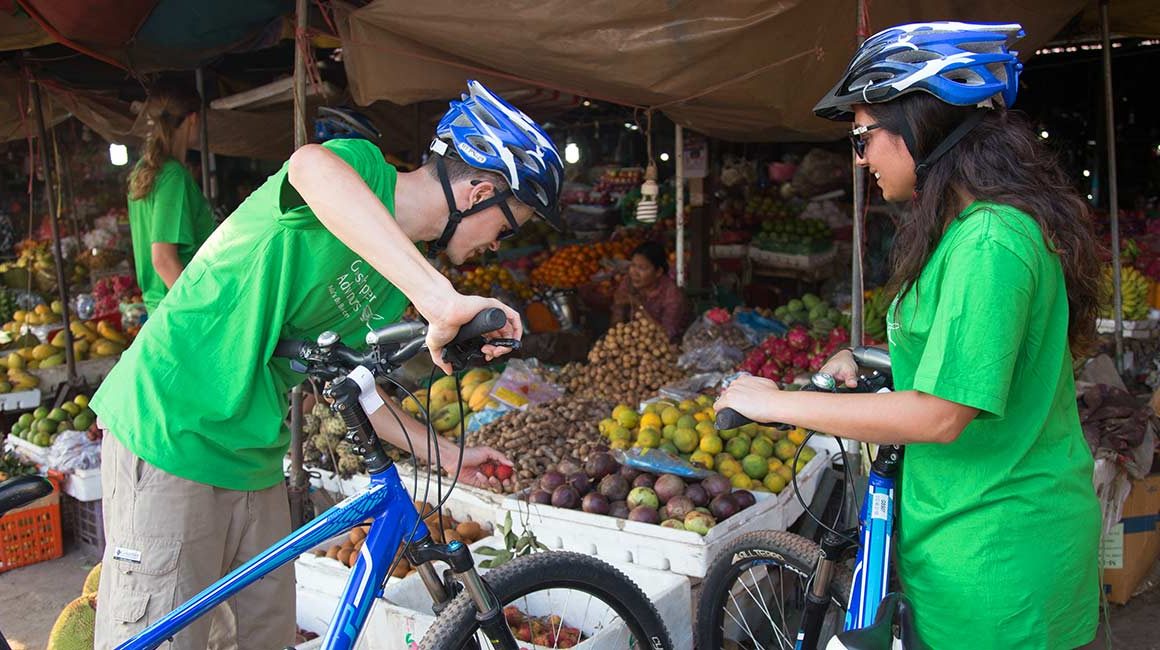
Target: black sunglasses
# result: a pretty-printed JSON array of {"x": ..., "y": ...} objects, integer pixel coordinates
[
  {"x": 857, "y": 139},
  {"x": 513, "y": 226}
]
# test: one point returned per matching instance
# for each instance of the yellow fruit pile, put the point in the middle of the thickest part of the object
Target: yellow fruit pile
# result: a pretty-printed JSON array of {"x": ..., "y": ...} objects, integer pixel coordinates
[
  {"x": 752, "y": 457},
  {"x": 1135, "y": 289},
  {"x": 91, "y": 340},
  {"x": 483, "y": 281},
  {"x": 42, "y": 426},
  {"x": 41, "y": 315},
  {"x": 447, "y": 406},
  {"x": 572, "y": 266}
]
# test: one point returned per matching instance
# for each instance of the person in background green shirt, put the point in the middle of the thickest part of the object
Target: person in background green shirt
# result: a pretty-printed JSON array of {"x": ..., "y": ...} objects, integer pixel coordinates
[
  {"x": 168, "y": 215},
  {"x": 997, "y": 271},
  {"x": 194, "y": 411}
]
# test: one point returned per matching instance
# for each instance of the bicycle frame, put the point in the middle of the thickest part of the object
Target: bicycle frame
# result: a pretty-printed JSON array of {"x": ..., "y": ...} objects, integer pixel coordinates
[
  {"x": 876, "y": 521},
  {"x": 394, "y": 514}
]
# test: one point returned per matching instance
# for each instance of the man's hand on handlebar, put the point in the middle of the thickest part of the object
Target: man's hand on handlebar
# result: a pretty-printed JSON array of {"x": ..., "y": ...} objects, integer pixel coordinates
[{"x": 444, "y": 325}]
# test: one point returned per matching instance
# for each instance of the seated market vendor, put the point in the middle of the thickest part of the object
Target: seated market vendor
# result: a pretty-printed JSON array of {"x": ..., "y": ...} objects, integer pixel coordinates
[{"x": 649, "y": 287}]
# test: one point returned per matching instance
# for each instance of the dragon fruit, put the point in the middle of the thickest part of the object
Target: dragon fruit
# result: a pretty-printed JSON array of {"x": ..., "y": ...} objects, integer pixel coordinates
[
  {"x": 718, "y": 315},
  {"x": 789, "y": 377},
  {"x": 783, "y": 355},
  {"x": 801, "y": 361},
  {"x": 817, "y": 361},
  {"x": 798, "y": 338}
]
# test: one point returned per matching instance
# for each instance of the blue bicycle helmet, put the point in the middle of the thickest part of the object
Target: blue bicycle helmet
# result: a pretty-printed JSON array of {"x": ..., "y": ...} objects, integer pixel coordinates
[
  {"x": 487, "y": 133},
  {"x": 963, "y": 64},
  {"x": 343, "y": 122}
]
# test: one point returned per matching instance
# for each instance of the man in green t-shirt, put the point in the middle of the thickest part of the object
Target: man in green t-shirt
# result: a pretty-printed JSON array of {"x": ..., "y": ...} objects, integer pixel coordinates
[{"x": 194, "y": 412}]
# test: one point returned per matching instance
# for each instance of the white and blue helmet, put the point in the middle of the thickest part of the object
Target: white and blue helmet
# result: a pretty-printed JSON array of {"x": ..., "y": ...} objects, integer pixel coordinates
[
  {"x": 963, "y": 64},
  {"x": 488, "y": 133}
]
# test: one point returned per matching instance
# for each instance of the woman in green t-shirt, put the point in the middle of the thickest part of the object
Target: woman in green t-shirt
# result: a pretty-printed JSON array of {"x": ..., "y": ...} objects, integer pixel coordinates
[
  {"x": 168, "y": 215},
  {"x": 997, "y": 275}
]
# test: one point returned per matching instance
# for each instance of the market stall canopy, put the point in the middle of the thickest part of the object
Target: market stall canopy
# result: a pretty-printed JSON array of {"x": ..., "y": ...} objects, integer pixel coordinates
[
  {"x": 151, "y": 35},
  {"x": 1127, "y": 18},
  {"x": 17, "y": 120},
  {"x": 746, "y": 70},
  {"x": 18, "y": 31}
]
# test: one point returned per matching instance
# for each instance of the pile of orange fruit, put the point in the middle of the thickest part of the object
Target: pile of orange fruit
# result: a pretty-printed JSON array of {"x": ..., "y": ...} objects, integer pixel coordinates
[
  {"x": 572, "y": 266},
  {"x": 482, "y": 281}
]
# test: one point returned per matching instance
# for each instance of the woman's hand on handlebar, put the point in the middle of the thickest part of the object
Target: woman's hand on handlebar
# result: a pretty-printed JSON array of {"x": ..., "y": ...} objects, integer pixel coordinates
[
  {"x": 473, "y": 457},
  {"x": 842, "y": 368},
  {"x": 750, "y": 396},
  {"x": 443, "y": 326}
]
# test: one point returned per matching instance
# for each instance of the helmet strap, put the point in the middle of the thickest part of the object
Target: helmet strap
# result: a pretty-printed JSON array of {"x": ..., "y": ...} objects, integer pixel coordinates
[
  {"x": 456, "y": 215},
  {"x": 922, "y": 167}
]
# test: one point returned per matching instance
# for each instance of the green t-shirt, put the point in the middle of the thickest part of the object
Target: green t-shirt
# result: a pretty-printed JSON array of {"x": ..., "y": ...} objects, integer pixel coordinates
[
  {"x": 175, "y": 212},
  {"x": 198, "y": 394},
  {"x": 998, "y": 530}
]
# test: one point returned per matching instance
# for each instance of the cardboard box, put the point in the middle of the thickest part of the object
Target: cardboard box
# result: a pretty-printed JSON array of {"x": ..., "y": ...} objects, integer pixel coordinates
[{"x": 1128, "y": 552}]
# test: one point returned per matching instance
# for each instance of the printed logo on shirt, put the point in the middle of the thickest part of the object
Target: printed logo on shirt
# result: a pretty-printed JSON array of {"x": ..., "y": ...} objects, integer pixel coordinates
[
  {"x": 892, "y": 324},
  {"x": 353, "y": 296}
]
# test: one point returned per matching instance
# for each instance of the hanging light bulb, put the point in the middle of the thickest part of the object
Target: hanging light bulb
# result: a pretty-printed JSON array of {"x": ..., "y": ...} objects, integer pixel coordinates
[
  {"x": 118, "y": 154},
  {"x": 647, "y": 208},
  {"x": 571, "y": 153}
]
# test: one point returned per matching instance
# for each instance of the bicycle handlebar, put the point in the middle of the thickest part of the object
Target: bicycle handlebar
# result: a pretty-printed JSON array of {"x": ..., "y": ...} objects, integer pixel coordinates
[{"x": 394, "y": 344}]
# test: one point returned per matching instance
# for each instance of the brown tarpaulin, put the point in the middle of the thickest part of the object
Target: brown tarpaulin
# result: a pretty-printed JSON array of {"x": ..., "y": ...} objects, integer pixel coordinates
[{"x": 736, "y": 69}]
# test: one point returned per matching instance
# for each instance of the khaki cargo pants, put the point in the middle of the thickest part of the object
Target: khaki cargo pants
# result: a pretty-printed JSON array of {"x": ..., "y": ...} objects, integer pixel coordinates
[{"x": 168, "y": 538}]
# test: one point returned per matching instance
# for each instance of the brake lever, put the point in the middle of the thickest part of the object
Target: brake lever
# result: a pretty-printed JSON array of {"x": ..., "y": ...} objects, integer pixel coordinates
[{"x": 469, "y": 353}]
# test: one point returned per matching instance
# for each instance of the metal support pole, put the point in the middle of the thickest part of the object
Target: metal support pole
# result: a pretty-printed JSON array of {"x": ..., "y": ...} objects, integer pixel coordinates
[
  {"x": 54, "y": 221},
  {"x": 680, "y": 152},
  {"x": 1113, "y": 194},
  {"x": 298, "y": 484},
  {"x": 203, "y": 137},
  {"x": 859, "y": 189}
]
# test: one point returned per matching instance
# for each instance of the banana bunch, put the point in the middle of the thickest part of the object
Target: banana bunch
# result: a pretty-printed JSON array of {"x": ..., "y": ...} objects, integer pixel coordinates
[
  {"x": 447, "y": 407},
  {"x": 1136, "y": 290},
  {"x": 875, "y": 305}
]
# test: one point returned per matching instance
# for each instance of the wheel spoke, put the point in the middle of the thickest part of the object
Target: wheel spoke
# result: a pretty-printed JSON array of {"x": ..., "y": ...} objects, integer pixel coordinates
[
  {"x": 781, "y": 634},
  {"x": 744, "y": 623}
]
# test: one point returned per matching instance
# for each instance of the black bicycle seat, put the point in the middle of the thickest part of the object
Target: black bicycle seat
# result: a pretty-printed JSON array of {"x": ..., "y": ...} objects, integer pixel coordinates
[
  {"x": 879, "y": 635},
  {"x": 22, "y": 490}
]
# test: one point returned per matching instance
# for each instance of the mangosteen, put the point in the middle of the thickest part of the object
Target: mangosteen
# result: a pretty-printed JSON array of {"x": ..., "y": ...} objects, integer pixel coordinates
[
  {"x": 723, "y": 507},
  {"x": 596, "y": 503},
  {"x": 716, "y": 485},
  {"x": 645, "y": 515},
  {"x": 629, "y": 473},
  {"x": 600, "y": 465},
  {"x": 618, "y": 509},
  {"x": 642, "y": 496},
  {"x": 614, "y": 486},
  {"x": 579, "y": 481},
  {"x": 552, "y": 480},
  {"x": 540, "y": 496},
  {"x": 743, "y": 499},
  {"x": 566, "y": 496},
  {"x": 668, "y": 487},
  {"x": 697, "y": 495},
  {"x": 678, "y": 507},
  {"x": 644, "y": 480}
]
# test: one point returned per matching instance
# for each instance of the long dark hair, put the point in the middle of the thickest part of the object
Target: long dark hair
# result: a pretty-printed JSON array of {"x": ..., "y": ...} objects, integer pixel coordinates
[
  {"x": 655, "y": 254},
  {"x": 1002, "y": 161}
]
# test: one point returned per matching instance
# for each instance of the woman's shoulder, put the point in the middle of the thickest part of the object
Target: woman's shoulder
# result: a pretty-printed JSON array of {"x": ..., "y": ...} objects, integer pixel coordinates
[{"x": 985, "y": 224}]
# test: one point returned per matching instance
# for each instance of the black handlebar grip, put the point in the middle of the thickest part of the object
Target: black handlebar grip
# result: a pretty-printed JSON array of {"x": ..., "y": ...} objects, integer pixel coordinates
[
  {"x": 289, "y": 349},
  {"x": 730, "y": 419},
  {"x": 488, "y": 320}
]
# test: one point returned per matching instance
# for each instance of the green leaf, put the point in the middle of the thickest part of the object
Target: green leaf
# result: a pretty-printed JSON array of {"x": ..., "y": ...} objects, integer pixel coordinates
[{"x": 487, "y": 550}]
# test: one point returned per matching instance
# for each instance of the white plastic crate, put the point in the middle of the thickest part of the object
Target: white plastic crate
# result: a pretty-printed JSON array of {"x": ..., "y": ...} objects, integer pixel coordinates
[
  {"x": 20, "y": 400},
  {"x": 319, "y": 581},
  {"x": 83, "y": 484},
  {"x": 681, "y": 551},
  {"x": 401, "y": 618},
  {"x": 29, "y": 452},
  {"x": 791, "y": 260}
]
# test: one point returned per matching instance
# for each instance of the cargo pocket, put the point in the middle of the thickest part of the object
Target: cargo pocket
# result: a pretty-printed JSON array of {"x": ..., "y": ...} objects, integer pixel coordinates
[{"x": 145, "y": 580}]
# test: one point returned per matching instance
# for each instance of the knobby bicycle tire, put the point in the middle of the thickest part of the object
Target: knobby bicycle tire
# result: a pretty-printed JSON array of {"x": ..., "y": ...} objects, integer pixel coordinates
[
  {"x": 778, "y": 548},
  {"x": 454, "y": 628}
]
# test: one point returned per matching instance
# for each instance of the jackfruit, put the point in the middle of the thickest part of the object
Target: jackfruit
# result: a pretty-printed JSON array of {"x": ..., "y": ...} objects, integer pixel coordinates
[
  {"x": 74, "y": 628},
  {"x": 92, "y": 581}
]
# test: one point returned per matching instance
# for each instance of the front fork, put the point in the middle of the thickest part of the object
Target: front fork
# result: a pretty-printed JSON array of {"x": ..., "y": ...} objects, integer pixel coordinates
[{"x": 351, "y": 397}]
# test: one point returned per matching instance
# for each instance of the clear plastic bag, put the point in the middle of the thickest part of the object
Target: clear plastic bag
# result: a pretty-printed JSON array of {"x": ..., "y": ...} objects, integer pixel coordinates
[
  {"x": 73, "y": 450},
  {"x": 521, "y": 385},
  {"x": 716, "y": 356}
]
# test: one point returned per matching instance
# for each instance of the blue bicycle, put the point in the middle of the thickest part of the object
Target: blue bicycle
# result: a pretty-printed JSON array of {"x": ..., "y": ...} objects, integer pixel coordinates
[
  {"x": 562, "y": 591},
  {"x": 775, "y": 589}
]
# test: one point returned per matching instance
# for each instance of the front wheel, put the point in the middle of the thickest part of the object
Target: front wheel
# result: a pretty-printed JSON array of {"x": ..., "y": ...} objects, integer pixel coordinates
[
  {"x": 755, "y": 591},
  {"x": 557, "y": 599}
]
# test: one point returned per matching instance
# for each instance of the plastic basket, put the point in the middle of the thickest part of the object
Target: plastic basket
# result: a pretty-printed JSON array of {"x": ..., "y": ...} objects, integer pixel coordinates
[
  {"x": 84, "y": 522},
  {"x": 32, "y": 533}
]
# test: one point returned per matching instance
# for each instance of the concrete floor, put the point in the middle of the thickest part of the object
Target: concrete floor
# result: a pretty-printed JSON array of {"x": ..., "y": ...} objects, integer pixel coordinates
[{"x": 31, "y": 598}]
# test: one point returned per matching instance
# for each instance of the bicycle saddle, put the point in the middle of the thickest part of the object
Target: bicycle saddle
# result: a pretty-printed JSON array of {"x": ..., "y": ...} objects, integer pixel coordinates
[
  {"x": 895, "y": 608},
  {"x": 22, "y": 490}
]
